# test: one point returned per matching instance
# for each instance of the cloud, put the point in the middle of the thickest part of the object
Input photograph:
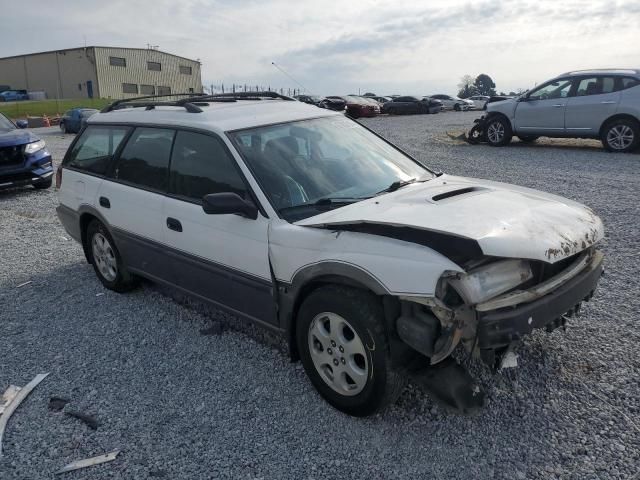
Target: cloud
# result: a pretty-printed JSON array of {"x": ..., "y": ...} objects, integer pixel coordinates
[{"x": 337, "y": 47}]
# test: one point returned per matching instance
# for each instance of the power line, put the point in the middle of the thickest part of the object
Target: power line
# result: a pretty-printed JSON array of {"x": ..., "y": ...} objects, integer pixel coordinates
[{"x": 299, "y": 84}]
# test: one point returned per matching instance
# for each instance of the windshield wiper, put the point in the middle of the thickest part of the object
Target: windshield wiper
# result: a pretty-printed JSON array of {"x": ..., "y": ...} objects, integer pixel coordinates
[
  {"x": 325, "y": 202},
  {"x": 396, "y": 185},
  {"x": 337, "y": 200}
]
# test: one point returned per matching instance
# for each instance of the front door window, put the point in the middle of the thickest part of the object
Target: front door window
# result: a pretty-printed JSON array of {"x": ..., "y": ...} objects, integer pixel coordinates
[{"x": 552, "y": 90}]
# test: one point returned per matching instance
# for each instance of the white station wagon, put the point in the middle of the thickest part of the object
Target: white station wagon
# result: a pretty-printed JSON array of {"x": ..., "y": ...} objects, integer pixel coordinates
[{"x": 371, "y": 265}]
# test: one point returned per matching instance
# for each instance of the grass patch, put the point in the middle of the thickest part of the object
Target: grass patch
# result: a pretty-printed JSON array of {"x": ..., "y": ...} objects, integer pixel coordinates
[{"x": 37, "y": 108}]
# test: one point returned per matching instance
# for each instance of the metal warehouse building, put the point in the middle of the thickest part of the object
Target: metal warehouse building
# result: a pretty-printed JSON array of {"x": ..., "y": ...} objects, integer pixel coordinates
[{"x": 106, "y": 72}]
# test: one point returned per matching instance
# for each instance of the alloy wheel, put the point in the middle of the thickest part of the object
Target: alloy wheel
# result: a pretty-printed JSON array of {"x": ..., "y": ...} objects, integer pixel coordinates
[
  {"x": 495, "y": 132},
  {"x": 620, "y": 137},
  {"x": 338, "y": 354},
  {"x": 104, "y": 257}
]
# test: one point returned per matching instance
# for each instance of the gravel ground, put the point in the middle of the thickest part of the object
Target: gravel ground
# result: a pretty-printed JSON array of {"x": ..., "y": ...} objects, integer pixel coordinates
[{"x": 180, "y": 404}]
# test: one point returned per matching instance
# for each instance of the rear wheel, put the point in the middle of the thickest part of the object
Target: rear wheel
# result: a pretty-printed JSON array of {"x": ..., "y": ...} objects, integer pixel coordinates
[
  {"x": 498, "y": 131},
  {"x": 528, "y": 138},
  {"x": 106, "y": 259},
  {"x": 622, "y": 135},
  {"x": 343, "y": 348},
  {"x": 457, "y": 107}
]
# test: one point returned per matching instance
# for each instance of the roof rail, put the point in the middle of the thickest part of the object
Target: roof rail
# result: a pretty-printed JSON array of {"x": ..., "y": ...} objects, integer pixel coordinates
[
  {"x": 191, "y": 100},
  {"x": 131, "y": 102}
]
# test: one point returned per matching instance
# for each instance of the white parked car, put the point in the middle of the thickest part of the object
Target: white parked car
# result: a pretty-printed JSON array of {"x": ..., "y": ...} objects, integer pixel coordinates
[
  {"x": 309, "y": 224},
  {"x": 453, "y": 103},
  {"x": 479, "y": 101}
]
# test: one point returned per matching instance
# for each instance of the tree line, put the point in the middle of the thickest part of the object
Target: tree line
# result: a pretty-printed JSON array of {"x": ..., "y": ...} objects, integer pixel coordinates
[{"x": 483, "y": 84}]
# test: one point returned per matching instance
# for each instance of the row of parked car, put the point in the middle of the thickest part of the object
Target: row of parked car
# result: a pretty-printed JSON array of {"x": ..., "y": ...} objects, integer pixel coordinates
[{"x": 370, "y": 105}]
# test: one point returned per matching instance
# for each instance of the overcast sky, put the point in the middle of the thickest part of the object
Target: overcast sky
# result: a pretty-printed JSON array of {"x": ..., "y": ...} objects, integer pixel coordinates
[{"x": 338, "y": 47}]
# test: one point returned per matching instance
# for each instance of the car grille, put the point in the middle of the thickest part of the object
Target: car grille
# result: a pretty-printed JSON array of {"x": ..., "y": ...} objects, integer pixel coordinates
[{"x": 11, "y": 156}]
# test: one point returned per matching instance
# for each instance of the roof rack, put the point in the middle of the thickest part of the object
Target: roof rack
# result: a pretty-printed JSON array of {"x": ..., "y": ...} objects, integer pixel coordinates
[{"x": 192, "y": 100}]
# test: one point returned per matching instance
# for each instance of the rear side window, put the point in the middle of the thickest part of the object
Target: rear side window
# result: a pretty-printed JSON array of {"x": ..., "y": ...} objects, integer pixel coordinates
[
  {"x": 95, "y": 148},
  {"x": 628, "y": 82},
  {"x": 201, "y": 165},
  {"x": 144, "y": 161}
]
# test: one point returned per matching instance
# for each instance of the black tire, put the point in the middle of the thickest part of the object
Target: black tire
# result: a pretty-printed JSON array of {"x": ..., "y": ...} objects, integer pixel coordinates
[
  {"x": 63, "y": 127},
  {"x": 456, "y": 107},
  {"x": 123, "y": 281},
  {"x": 502, "y": 133},
  {"x": 621, "y": 135},
  {"x": 364, "y": 314},
  {"x": 528, "y": 138},
  {"x": 43, "y": 184},
  {"x": 476, "y": 135}
]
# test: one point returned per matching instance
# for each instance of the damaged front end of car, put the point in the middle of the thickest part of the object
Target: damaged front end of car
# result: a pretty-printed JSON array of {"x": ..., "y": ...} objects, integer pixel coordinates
[{"x": 489, "y": 308}]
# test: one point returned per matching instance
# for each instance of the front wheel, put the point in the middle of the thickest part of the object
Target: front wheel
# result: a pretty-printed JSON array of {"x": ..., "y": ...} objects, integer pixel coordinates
[
  {"x": 106, "y": 259},
  {"x": 498, "y": 131},
  {"x": 343, "y": 347},
  {"x": 63, "y": 127},
  {"x": 621, "y": 135}
]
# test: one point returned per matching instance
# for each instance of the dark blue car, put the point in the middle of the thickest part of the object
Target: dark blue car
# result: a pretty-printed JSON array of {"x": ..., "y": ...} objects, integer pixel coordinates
[
  {"x": 73, "y": 120},
  {"x": 24, "y": 159}
]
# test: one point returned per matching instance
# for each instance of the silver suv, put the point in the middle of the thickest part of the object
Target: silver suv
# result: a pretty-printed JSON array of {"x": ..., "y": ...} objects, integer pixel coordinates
[{"x": 602, "y": 104}]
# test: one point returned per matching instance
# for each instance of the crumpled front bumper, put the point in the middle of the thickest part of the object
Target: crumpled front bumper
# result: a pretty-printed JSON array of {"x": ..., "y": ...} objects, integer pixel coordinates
[{"x": 499, "y": 328}]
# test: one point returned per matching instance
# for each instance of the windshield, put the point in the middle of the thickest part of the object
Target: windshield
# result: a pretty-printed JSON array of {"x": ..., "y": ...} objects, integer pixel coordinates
[
  {"x": 331, "y": 160},
  {"x": 5, "y": 123}
]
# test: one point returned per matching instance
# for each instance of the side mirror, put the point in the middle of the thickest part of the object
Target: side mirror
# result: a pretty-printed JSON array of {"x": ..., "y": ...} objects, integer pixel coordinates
[
  {"x": 228, "y": 203},
  {"x": 22, "y": 124}
]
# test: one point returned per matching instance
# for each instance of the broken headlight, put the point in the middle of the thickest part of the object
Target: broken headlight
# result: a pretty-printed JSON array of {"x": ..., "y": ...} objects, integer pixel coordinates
[{"x": 489, "y": 280}]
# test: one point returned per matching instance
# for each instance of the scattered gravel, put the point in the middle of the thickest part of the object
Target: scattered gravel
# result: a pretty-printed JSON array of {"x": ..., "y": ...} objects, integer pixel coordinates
[{"x": 229, "y": 404}]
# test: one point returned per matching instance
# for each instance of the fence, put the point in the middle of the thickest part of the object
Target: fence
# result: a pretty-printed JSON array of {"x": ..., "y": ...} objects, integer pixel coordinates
[{"x": 246, "y": 87}]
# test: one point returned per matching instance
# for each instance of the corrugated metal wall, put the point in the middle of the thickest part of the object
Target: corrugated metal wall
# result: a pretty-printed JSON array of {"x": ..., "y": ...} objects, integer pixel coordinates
[
  {"x": 111, "y": 78},
  {"x": 60, "y": 74},
  {"x": 65, "y": 73}
]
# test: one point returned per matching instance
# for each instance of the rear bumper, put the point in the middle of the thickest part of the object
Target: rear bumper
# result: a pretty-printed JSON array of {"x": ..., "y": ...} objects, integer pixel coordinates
[
  {"x": 70, "y": 220},
  {"x": 499, "y": 328}
]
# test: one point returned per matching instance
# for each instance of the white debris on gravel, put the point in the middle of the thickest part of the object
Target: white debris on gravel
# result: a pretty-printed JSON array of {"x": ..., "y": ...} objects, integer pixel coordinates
[{"x": 180, "y": 404}]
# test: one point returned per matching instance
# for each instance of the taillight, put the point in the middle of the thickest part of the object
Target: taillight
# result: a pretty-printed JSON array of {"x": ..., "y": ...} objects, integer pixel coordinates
[{"x": 59, "y": 176}]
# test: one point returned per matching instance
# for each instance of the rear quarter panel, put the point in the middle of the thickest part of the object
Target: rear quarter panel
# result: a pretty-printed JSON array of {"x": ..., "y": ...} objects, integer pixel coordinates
[{"x": 630, "y": 102}]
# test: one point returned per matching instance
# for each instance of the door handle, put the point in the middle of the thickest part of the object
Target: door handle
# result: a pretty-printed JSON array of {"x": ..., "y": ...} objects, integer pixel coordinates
[
  {"x": 174, "y": 224},
  {"x": 557, "y": 105},
  {"x": 104, "y": 202},
  {"x": 608, "y": 102}
]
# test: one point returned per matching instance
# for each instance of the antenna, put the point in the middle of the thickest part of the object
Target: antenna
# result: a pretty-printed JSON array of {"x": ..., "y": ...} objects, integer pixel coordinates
[{"x": 299, "y": 84}]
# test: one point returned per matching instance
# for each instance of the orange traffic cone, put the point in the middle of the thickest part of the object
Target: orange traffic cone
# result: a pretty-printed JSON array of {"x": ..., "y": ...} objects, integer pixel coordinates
[{"x": 47, "y": 123}]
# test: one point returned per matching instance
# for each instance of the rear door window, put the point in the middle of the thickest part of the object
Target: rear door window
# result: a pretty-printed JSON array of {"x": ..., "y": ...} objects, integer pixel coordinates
[
  {"x": 200, "y": 165},
  {"x": 144, "y": 161},
  {"x": 95, "y": 148},
  {"x": 595, "y": 86}
]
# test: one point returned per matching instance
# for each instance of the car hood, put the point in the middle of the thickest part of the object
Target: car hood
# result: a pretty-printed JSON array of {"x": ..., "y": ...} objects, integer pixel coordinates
[
  {"x": 505, "y": 220},
  {"x": 16, "y": 137}
]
